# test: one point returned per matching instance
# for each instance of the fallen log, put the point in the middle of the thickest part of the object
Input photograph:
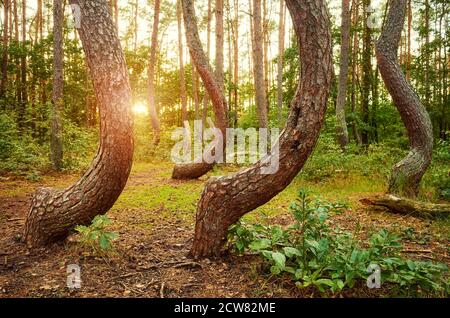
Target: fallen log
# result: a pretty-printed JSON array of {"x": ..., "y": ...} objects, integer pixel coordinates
[{"x": 408, "y": 206}]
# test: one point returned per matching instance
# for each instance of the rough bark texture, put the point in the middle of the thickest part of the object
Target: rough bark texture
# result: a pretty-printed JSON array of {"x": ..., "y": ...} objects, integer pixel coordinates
[
  {"x": 212, "y": 86},
  {"x": 258, "y": 66},
  {"x": 58, "y": 83},
  {"x": 408, "y": 206},
  {"x": 406, "y": 174},
  {"x": 226, "y": 199},
  {"x": 341, "y": 124},
  {"x": 151, "y": 75},
  {"x": 54, "y": 213}
]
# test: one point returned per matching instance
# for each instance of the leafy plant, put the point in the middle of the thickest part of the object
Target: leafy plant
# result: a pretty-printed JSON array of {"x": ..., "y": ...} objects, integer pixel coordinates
[
  {"x": 314, "y": 254},
  {"x": 96, "y": 236}
]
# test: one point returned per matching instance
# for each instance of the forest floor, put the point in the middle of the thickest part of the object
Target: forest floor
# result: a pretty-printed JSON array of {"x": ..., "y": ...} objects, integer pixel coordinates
[{"x": 155, "y": 217}]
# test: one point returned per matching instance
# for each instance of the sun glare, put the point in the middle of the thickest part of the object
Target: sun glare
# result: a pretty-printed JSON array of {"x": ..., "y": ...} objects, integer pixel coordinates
[{"x": 140, "y": 109}]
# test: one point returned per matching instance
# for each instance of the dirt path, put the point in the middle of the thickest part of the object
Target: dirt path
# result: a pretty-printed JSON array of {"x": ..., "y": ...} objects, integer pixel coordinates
[{"x": 150, "y": 254}]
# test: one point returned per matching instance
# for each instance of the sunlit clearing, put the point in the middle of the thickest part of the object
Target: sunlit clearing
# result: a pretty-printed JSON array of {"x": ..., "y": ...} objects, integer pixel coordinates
[{"x": 140, "y": 109}]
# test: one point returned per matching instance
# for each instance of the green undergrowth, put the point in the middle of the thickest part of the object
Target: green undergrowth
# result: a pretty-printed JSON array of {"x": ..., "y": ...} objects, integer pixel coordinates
[{"x": 313, "y": 252}]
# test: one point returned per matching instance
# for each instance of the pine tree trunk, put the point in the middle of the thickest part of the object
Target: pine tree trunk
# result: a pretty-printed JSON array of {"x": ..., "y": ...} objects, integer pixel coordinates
[
  {"x": 226, "y": 199},
  {"x": 23, "y": 61},
  {"x": 183, "y": 94},
  {"x": 54, "y": 213},
  {"x": 406, "y": 174},
  {"x": 151, "y": 75},
  {"x": 3, "y": 82},
  {"x": 281, "y": 35},
  {"x": 341, "y": 124},
  {"x": 219, "y": 44},
  {"x": 366, "y": 74},
  {"x": 56, "y": 146},
  {"x": 258, "y": 66}
]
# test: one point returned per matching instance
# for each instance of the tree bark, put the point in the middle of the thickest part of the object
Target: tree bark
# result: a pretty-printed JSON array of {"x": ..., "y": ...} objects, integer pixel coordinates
[
  {"x": 216, "y": 94},
  {"x": 54, "y": 213},
  {"x": 151, "y": 75},
  {"x": 341, "y": 123},
  {"x": 258, "y": 66},
  {"x": 226, "y": 199},
  {"x": 58, "y": 84},
  {"x": 406, "y": 174}
]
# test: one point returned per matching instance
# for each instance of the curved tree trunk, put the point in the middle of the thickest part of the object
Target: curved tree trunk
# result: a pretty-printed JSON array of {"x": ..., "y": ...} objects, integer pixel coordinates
[
  {"x": 54, "y": 213},
  {"x": 226, "y": 199},
  {"x": 341, "y": 124},
  {"x": 212, "y": 86},
  {"x": 151, "y": 75},
  {"x": 406, "y": 174}
]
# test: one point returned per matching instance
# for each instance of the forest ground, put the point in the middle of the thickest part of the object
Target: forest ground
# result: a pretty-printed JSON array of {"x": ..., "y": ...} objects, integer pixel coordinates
[{"x": 155, "y": 217}]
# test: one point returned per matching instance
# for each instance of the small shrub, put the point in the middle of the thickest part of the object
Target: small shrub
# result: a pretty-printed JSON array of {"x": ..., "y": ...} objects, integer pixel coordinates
[{"x": 95, "y": 236}]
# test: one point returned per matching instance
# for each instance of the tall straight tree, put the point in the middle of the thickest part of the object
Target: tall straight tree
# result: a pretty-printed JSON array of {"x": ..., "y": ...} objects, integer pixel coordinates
[
  {"x": 407, "y": 173},
  {"x": 258, "y": 66},
  {"x": 6, "y": 18},
  {"x": 281, "y": 36},
  {"x": 56, "y": 146},
  {"x": 54, "y": 213},
  {"x": 183, "y": 94},
  {"x": 341, "y": 124},
  {"x": 366, "y": 72},
  {"x": 23, "y": 59},
  {"x": 219, "y": 44},
  {"x": 208, "y": 55},
  {"x": 151, "y": 74},
  {"x": 226, "y": 199}
]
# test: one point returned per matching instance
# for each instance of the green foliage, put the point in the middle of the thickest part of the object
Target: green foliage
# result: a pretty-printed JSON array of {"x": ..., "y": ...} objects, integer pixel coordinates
[
  {"x": 314, "y": 254},
  {"x": 96, "y": 236}
]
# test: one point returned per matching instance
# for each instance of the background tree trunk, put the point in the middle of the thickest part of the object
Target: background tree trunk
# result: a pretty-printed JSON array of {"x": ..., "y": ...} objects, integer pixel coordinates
[
  {"x": 226, "y": 199},
  {"x": 219, "y": 44},
  {"x": 183, "y": 94},
  {"x": 366, "y": 73},
  {"x": 406, "y": 174},
  {"x": 281, "y": 35},
  {"x": 151, "y": 75},
  {"x": 6, "y": 5},
  {"x": 58, "y": 84},
  {"x": 341, "y": 123},
  {"x": 23, "y": 61},
  {"x": 258, "y": 66},
  {"x": 54, "y": 213}
]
